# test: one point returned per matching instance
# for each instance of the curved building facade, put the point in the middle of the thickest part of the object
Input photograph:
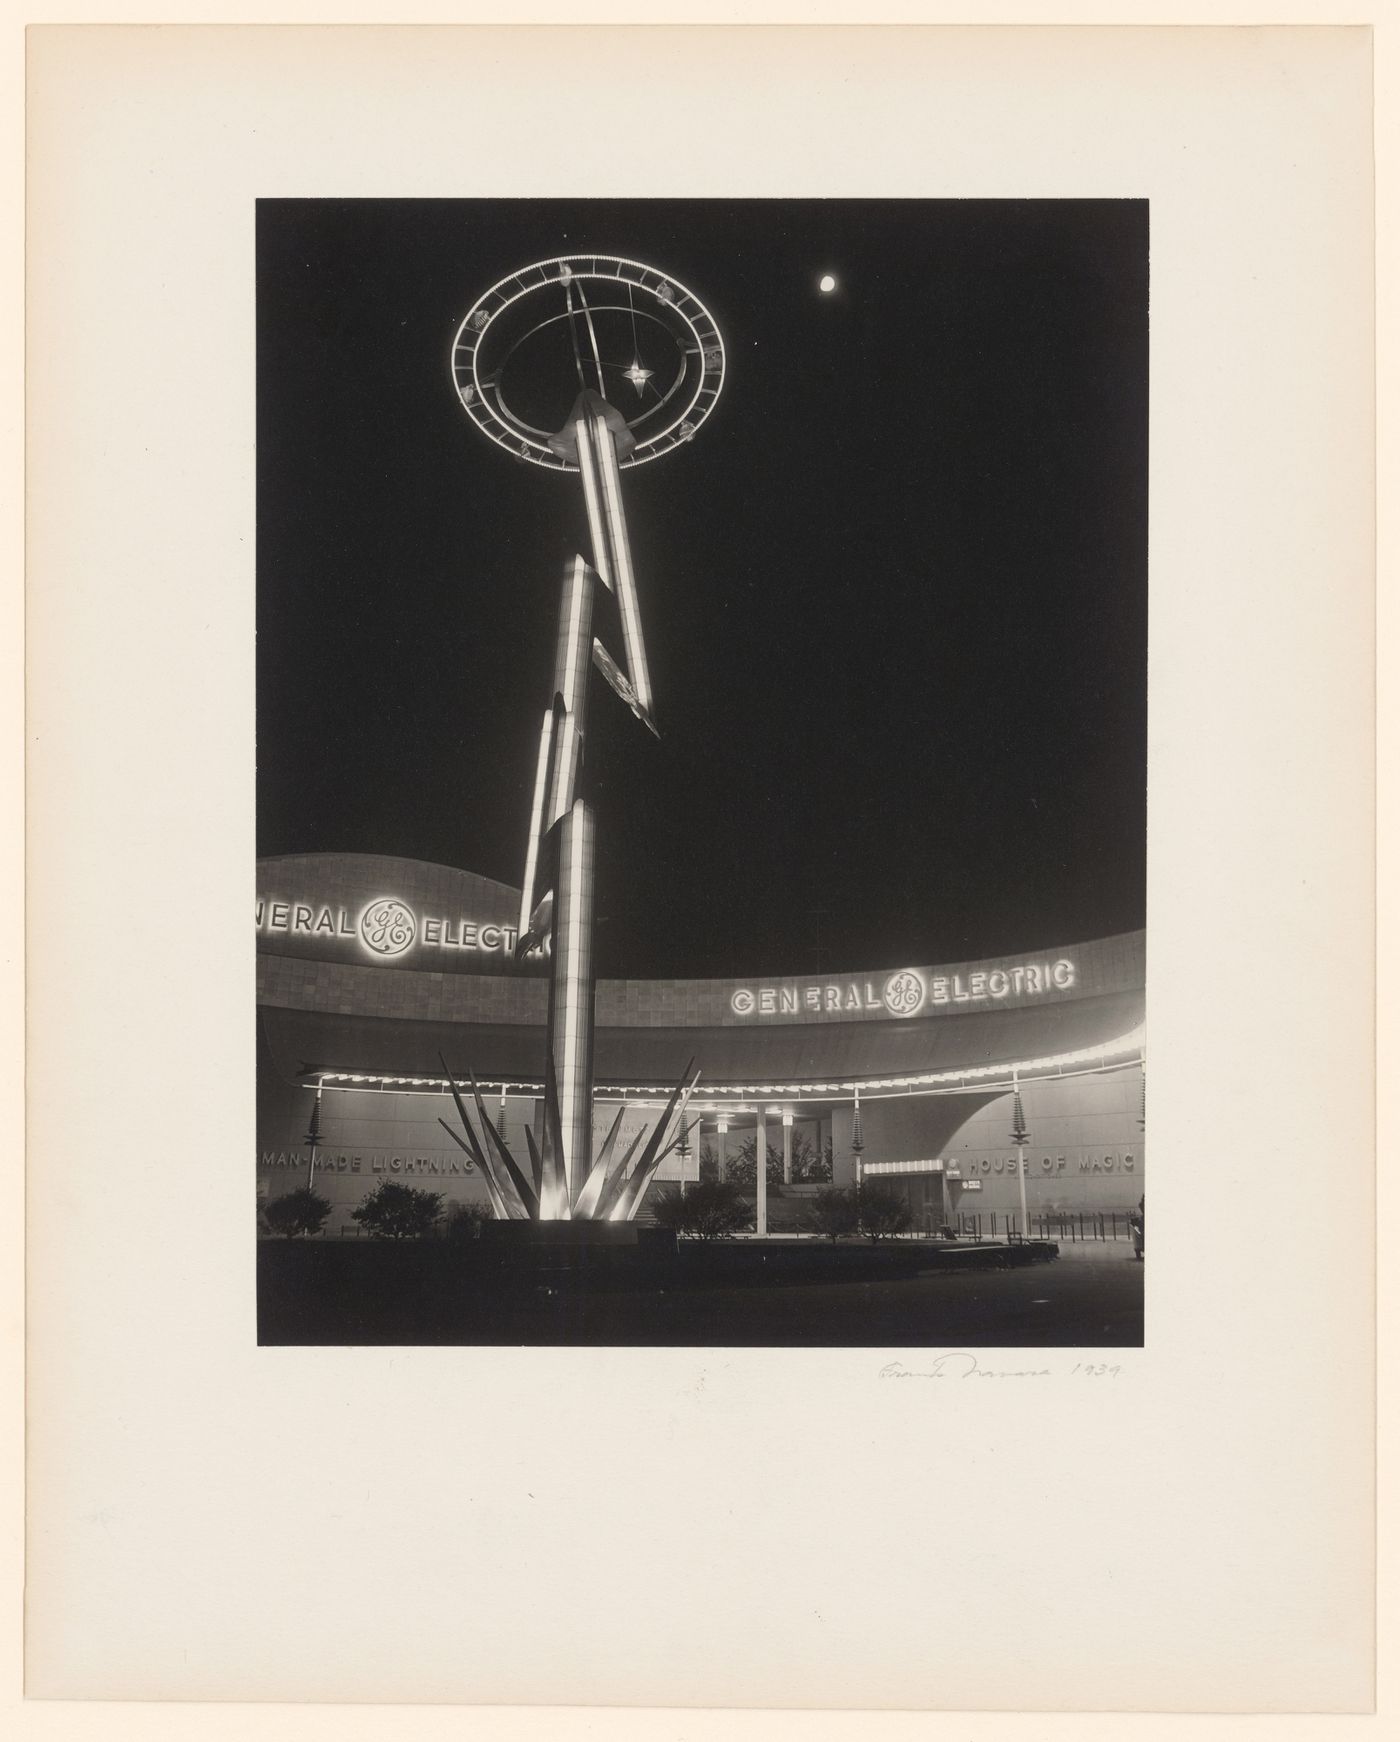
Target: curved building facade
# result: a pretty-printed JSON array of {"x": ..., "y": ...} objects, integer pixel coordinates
[{"x": 373, "y": 970}]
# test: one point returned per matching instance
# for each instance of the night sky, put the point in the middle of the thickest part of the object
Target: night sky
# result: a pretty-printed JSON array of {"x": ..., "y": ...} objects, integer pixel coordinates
[{"x": 894, "y": 592}]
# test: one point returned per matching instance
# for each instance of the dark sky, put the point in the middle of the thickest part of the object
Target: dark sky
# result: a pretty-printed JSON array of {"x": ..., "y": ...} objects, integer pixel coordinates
[{"x": 894, "y": 592}]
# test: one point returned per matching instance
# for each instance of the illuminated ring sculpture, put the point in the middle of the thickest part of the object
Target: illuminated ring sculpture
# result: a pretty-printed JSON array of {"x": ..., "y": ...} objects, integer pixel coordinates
[{"x": 574, "y": 288}]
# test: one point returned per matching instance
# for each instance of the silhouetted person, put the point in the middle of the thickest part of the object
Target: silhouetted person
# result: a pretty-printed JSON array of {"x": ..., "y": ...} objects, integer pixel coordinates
[{"x": 1136, "y": 1220}]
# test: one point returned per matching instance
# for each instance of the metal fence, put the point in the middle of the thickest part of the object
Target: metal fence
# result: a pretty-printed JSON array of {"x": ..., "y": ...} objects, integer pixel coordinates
[{"x": 1064, "y": 1226}]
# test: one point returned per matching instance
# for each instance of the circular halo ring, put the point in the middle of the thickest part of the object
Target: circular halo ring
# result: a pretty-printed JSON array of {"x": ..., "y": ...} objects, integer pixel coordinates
[
  {"x": 482, "y": 400},
  {"x": 516, "y": 422}
]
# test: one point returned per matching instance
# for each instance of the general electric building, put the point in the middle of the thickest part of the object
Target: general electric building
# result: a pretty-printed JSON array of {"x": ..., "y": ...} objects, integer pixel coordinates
[{"x": 378, "y": 977}]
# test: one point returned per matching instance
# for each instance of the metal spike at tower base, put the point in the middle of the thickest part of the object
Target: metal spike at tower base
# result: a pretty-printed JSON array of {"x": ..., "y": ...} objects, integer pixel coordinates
[{"x": 565, "y": 1181}]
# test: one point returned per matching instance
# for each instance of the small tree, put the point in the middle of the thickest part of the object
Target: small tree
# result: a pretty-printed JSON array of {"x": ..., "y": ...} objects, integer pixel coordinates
[
  {"x": 883, "y": 1210},
  {"x": 709, "y": 1163},
  {"x": 739, "y": 1167},
  {"x": 394, "y": 1211},
  {"x": 808, "y": 1166},
  {"x": 708, "y": 1210},
  {"x": 833, "y": 1213},
  {"x": 299, "y": 1212},
  {"x": 465, "y": 1221}
]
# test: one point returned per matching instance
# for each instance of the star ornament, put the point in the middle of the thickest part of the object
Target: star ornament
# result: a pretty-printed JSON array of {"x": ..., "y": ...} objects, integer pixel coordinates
[{"x": 637, "y": 375}]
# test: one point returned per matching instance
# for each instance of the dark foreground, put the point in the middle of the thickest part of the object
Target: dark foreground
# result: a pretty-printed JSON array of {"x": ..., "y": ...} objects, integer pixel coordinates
[{"x": 324, "y": 1293}]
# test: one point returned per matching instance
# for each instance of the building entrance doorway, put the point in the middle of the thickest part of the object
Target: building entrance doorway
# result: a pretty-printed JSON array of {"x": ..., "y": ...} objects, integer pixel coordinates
[{"x": 926, "y": 1201}]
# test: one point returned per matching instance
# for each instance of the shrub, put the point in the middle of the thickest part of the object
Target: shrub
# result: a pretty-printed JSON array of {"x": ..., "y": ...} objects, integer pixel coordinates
[
  {"x": 709, "y": 1210},
  {"x": 739, "y": 1168},
  {"x": 300, "y": 1212},
  {"x": 883, "y": 1210},
  {"x": 833, "y": 1213},
  {"x": 465, "y": 1221},
  {"x": 668, "y": 1207},
  {"x": 393, "y": 1211},
  {"x": 809, "y": 1167}
]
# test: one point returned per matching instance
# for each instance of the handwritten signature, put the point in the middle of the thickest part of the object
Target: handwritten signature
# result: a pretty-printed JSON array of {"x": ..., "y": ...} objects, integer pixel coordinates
[{"x": 962, "y": 1365}]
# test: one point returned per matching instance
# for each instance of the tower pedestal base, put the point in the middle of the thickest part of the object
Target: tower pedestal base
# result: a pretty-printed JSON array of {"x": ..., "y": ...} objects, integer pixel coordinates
[{"x": 529, "y": 1236}]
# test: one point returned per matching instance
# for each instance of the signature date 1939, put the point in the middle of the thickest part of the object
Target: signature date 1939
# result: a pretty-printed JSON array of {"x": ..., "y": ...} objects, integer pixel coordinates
[{"x": 963, "y": 1365}]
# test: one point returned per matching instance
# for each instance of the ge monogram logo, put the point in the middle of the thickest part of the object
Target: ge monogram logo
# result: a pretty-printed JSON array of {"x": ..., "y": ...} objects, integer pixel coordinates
[
  {"x": 904, "y": 993},
  {"x": 388, "y": 927}
]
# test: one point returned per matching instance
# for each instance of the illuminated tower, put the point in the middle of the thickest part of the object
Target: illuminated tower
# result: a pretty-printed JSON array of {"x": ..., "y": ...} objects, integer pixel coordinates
[{"x": 587, "y": 364}]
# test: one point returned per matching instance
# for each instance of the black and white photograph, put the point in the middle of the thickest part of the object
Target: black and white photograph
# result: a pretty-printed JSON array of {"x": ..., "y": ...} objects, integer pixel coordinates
[
  {"x": 750, "y": 611},
  {"x": 702, "y": 771}
]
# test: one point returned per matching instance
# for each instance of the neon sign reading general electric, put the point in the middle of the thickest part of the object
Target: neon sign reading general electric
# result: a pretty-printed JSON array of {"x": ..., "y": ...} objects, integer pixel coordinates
[
  {"x": 907, "y": 992},
  {"x": 385, "y": 927}
]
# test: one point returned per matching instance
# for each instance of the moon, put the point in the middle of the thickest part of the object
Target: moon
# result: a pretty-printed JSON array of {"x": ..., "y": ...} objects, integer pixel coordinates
[{"x": 826, "y": 284}]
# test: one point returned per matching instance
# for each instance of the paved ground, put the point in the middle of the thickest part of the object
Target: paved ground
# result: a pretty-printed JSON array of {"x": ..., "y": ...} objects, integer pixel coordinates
[
  {"x": 1089, "y": 1300},
  {"x": 1091, "y": 1297},
  {"x": 1098, "y": 1251}
]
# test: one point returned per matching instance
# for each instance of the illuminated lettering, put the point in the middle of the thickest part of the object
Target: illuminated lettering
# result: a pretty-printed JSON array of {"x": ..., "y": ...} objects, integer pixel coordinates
[
  {"x": 387, "y": 927},
  {"x": 1128, "y": 1163},
  {"x": 904, "y": 992},
  {"x": 395, "y": 1164},
  {"x": 1046, "y": 1163},
  {"x": 317, "y": 919},
  {"x": 354, "y": 1164}
]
